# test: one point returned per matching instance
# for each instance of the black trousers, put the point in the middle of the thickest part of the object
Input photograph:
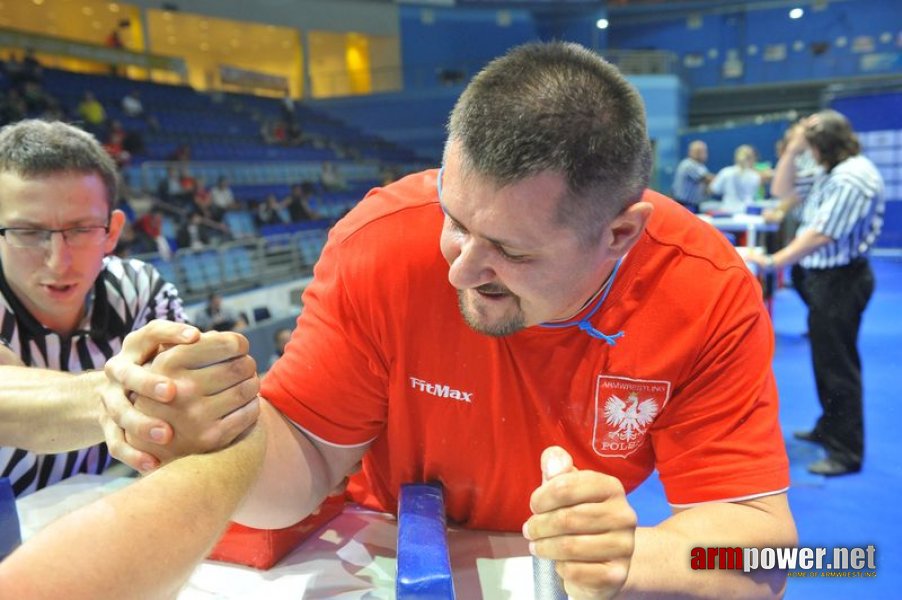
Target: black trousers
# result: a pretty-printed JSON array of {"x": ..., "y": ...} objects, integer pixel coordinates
[{"x": 836, "y": 300}]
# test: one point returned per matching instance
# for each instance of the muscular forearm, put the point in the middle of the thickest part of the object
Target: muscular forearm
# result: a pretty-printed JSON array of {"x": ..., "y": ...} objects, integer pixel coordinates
[
  {"x": 47, "y": 411},
  {"x": 661, "y": 564},
  {"x": 296, "y": 476},
  {"x": 143, "y": 541}
]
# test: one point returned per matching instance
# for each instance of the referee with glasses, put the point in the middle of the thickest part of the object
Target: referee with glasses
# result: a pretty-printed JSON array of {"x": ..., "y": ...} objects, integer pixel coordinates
[
  {"x": 66, "y": 307},
  {"x": 841, "y": 219}
]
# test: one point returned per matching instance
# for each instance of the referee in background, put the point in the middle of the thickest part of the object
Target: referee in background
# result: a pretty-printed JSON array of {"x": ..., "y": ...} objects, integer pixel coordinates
[{"x": 841, "y": 219}]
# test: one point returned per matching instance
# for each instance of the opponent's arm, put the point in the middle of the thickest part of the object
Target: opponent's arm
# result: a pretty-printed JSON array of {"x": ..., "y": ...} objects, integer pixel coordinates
[
  {"x": 142, "y": 541},
  {"x": 297, "y": 475}
]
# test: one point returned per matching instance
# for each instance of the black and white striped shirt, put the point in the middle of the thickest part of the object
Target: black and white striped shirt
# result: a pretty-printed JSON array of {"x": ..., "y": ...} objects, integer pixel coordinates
[
  {"x": 128, "y": 294},
  {"x": 847, "y": 205},
  {"x": 807, "y": 172}
]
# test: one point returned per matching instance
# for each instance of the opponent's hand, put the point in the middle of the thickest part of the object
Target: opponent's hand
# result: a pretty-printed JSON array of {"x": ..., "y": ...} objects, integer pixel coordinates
[
  {"x": 127, "y": 375},
  {"x": 581, "y": 520},
  {"x": 215, "y": 398}
]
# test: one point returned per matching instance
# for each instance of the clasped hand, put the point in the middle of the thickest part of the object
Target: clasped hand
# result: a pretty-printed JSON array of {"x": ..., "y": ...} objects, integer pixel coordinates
[
  {"x": 174, "y": 391},
  {"x": 582, "y": 520}
]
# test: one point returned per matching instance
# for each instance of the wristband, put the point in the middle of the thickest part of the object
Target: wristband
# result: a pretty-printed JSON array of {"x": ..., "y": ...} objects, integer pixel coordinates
[{"x": 769, "y": 262}]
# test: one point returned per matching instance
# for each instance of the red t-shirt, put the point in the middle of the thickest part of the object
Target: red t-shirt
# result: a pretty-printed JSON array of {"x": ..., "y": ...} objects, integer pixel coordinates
[{"x": 381, "y": 354}]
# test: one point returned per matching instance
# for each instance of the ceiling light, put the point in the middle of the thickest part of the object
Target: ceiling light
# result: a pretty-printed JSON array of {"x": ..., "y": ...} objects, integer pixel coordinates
[
  {"x": 87, "y": 11},
  {"x": 796, "y": 13},
  {"x": 601, "y": 23},
  {"x": 114, "y": 8}
]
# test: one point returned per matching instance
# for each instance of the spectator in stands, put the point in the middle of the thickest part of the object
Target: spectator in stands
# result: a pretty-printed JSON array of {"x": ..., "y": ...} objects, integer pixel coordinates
[
  {"x": 280, "y": 339},
  {"x": 331, "y": 178},
  {"x": 222, "y": 195},
  {"x": 133, "y": 142},
  {"x": 298, "y": 203},
  {"x": 149, "y": 234},
  {"x": 193, "y": 233},
  {"x": 115, "y": 144},
  {"x": 59, "y": 290},
  {"x": 91, "y": 112},
  {"x": 269, "y": 212},
  {"x": 181, "y": 154},
  {"x": 171, "y": 190},
  {"x": 32, "y": 67},
  {"x": 216, "y": 317},
  {"x": 114, "y": 39},
  {"x": 278, "y": 132},
  {"x": 36, "y": 100},
  {"x": 132, "y": 105},
  {"x": 288, "y": 108},
  {"x": 266, "y": 131},
  {"x": 211, "y": 215},
  {"x": 738, "y": 184},
  {"x": 294, "y": 136},
  {"x": 134, "y": 108},
  {"x": 29, "y": 70},
  {"x": 54, "y": 110},
  {"x": 690, "y": 182},
  {"x": 12, "y": 107}
]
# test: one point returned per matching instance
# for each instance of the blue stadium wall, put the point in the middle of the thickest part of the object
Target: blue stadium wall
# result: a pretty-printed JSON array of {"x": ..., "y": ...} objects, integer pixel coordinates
[{"x": 845, "y": 38}]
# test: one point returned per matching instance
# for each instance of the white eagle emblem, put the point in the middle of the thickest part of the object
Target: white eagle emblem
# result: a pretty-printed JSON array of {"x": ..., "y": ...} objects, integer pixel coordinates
[{"x": 632, "y": 421}]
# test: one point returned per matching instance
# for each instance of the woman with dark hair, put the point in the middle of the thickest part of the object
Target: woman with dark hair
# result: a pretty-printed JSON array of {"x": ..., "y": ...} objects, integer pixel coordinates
[{"x": 841, "y": 219}]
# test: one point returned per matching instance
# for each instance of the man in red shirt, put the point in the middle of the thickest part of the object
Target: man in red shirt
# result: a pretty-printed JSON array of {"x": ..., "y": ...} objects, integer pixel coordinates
[{"x": 535, "y": 330}]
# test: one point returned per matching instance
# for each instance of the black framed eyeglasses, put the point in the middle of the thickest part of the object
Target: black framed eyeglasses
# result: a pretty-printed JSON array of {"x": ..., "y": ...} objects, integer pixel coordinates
[{"x": 75, "y": 237}]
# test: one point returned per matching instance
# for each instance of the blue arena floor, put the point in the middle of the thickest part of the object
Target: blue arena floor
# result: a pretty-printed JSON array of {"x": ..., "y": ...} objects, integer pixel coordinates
[{"x": 853, "y": 510}]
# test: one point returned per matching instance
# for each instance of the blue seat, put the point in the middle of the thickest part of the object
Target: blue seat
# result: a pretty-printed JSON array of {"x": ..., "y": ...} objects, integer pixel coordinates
[
  {"x": 165, "y": 268},
  {"x": 212, "y": 268},
  {"x": 193, "y": 272}
]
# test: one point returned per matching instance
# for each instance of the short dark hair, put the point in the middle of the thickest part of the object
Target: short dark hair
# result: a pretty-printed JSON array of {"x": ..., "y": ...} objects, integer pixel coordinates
[
  {"x": 557, "y": 107},
  {"x": 35, "y": 148},
  {"x": 833, "y": 138}
]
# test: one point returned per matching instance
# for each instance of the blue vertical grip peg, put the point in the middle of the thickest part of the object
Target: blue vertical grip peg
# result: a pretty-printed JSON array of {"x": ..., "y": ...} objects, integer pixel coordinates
[
  {"x": 424, "y": 566},
  {"x": 10, "y": 535}
]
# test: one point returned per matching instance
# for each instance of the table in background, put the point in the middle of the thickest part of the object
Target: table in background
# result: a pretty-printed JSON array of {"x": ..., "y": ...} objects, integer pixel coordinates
[
  {"x": 352, "y": 557},
  {"x": 752, "y": 225}
]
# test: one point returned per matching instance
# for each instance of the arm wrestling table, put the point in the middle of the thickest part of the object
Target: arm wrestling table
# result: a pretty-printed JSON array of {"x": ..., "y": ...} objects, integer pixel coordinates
[{"x": 351, "y": 557}]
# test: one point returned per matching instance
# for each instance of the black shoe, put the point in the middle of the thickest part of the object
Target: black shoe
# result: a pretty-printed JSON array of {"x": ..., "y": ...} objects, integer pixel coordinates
[
  {"x": 830, "y": 467},
  {"x": 807, "y": 436}
]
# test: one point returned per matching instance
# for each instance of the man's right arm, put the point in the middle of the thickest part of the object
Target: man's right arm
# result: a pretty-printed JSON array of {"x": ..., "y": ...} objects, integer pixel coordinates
[
  {"x": 298, "y": 473},
  {"x": 142, "y": 541},
  {"x": 46, "y": 411}
]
